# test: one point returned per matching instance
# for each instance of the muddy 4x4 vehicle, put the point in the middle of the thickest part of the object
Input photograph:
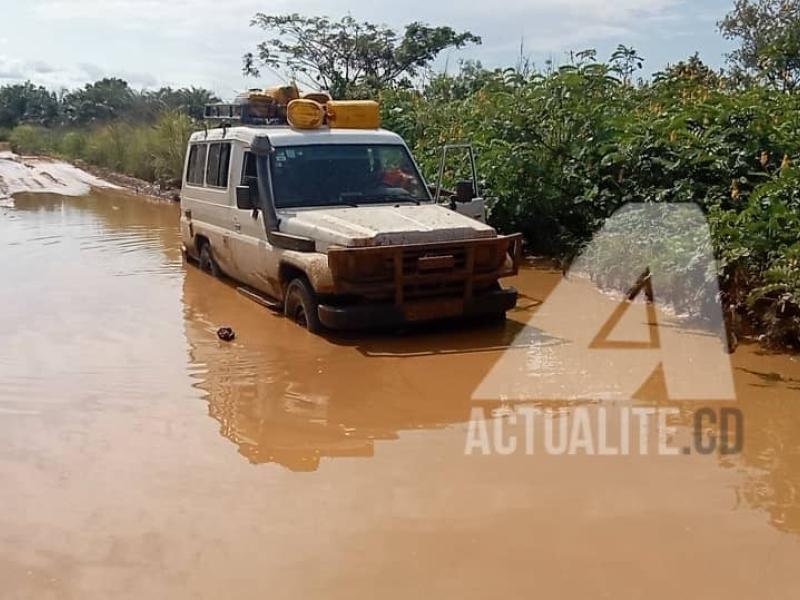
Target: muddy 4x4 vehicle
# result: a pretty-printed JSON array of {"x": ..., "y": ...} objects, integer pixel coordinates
[{"x": 337, "y": 227}]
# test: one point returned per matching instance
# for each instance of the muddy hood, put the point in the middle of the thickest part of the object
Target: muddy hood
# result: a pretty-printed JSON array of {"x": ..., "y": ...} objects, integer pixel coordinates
[{"x": 384, "y": 225}]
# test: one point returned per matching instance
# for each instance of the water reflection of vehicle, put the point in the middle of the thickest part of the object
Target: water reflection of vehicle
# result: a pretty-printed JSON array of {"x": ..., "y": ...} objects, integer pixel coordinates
[{"x": 295, "y": 399}]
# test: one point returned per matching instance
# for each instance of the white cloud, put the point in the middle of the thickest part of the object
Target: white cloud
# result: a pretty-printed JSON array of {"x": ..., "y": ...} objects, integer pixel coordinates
[
  {"x": 201, "y": 42},
  {"x": 15, "y": 70},
  {"x": 37, "y": 71},
  {"x": 11, "y": 68},
  {"x": 555, "y": 22}
]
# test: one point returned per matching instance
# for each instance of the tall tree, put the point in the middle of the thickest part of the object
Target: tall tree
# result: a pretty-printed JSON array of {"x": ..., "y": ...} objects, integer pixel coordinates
[
  {"x": 626, "y": 61},
  {"x": 692, "y": 71},
  {"x": 27, "y": 103},
  {"x": 102, "y": 100},
  {"x": 768, "y": 32},
  {"x": 346, "y": 57},
  {"x": 190, "y": 101}
]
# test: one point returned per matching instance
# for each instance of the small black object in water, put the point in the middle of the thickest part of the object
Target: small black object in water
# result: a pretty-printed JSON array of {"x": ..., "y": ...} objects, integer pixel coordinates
[{"x": 226, "y": 334}]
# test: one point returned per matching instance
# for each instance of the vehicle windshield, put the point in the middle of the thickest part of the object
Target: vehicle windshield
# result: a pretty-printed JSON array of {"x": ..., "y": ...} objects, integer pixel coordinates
[{"x": 344, "y": 175}]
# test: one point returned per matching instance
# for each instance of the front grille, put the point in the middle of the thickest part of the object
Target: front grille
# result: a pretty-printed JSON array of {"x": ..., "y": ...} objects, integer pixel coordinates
[
  {"x": 402, "y": 274},
  {"x": 411, "y": 260},
  {"x": 448, "y": 288}
]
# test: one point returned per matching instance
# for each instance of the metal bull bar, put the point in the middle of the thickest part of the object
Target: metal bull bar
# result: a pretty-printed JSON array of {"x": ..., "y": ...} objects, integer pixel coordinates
[{"x": 416, "y": 272}]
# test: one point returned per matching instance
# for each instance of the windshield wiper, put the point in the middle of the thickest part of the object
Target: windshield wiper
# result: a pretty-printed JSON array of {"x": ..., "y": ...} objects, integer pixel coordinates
[{"x": 390, "y": 198}]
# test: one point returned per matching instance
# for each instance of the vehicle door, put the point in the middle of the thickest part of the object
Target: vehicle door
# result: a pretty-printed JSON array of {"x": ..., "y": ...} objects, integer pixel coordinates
[
  {"x": 257, "y": 264},
  {"x": 208, "y": 201}
]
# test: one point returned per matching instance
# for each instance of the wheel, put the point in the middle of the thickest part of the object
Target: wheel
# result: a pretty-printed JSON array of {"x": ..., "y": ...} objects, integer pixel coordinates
[
  {"x": 207, "y": 262},
  {"x": 496, "y": 318},
  {"x": 301, "y": 305}
]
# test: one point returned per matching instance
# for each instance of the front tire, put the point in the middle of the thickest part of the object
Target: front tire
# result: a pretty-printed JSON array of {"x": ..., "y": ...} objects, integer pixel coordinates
[
  {"x": 301, "y": 305},
  {"x": 496, "y": 318},
  {"x": 207, "y": 262}
]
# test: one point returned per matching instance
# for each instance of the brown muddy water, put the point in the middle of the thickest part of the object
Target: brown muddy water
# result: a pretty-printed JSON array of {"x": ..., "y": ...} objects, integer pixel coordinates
[{"x": 140, "y": 457}]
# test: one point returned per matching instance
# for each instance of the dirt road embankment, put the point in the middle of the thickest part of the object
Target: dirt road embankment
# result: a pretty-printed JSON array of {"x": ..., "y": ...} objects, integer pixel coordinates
[
  {"x": 19, "y": 174},
  {"x": 133, "y": 184},
  {"x": 43, "y": 174}
]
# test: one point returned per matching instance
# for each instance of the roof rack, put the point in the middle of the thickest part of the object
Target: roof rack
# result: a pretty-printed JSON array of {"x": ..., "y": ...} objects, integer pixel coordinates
[
  {"x": 244, "y": 113},
  {"x": 310, "y": 111},
  {"x": 254, "y": 107}
]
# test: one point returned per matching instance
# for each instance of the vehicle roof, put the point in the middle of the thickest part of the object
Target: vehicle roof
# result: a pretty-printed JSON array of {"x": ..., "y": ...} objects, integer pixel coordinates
[{"x": 283, "y": 135}]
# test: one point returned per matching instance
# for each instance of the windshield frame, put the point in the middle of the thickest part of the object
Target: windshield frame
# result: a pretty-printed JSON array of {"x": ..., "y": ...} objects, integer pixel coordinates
[{"x": 401, "y": 146}]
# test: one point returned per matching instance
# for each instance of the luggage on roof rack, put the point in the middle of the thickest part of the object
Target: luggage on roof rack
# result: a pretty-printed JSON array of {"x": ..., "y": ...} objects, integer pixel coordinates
[{"x": 271, "y": 107}]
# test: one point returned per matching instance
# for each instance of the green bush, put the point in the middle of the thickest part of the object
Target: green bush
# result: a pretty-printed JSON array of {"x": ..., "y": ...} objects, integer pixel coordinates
[
  {"x": 169, "y": 138},
  {"x": 561, "y": 150},
  {"x": 72, "y": 145},
  {"x": 150, "y": 152},
  {"x": 31, "y": 139}
]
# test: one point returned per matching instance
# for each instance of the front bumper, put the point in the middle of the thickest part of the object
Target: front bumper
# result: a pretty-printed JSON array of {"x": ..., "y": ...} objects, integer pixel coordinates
[{"x": 363, "y": 316}]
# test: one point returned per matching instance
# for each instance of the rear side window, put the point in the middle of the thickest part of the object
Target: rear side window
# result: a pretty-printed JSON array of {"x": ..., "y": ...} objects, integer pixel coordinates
[
  {"x": 219, "y": 158},
  {"x": 197, "y": 164}
]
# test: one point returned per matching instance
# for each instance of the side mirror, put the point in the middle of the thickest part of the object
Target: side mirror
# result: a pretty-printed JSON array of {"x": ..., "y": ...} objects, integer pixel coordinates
[
  {"x": 244, "y": 198},
  {"x": 465, "y": 191}
]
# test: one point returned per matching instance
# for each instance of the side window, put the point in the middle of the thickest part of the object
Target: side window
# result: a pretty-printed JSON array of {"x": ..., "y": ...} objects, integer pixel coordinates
[
  {"x": 249, "y": 170},
  {"x": 197, "y": 163},
  {"x": 224, "y": 164},
  {"x": 397, "y": 170},
  {"x": 219, "y": 158},
  {"x": 393, "y": 158}
]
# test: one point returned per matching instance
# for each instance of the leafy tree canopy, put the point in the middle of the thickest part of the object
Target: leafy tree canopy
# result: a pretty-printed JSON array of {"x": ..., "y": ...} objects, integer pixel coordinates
[
  {"x": 190, "y": 101},
  {"x": 346, "y": 57},
  {"x": 27, "y": 103},
  {"x": 692, "y": 71},
  {"x": 100, "y": 101},
  {"x": 768, "y": 32}
]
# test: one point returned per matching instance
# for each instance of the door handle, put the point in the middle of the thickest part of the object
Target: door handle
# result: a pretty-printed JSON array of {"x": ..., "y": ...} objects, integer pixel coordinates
[{"x": 237, "y": 226}]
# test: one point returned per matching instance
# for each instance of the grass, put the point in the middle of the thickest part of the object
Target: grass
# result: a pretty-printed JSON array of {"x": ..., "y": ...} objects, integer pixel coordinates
[{"x": 153, "y": 152}]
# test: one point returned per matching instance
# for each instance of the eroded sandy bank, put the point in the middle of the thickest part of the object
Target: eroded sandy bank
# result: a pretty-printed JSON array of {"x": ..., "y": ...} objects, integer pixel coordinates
[{"x": 20, "y": 174}]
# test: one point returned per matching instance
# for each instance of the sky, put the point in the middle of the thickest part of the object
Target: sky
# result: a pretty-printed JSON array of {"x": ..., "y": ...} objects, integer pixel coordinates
[{"x": 153, "y": 43}]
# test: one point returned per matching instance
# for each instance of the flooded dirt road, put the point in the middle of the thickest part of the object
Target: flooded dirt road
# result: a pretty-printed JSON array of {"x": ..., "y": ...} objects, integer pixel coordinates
[
  {"x": 31, "y": 173},
  {"x": 141, "y": 457}
]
